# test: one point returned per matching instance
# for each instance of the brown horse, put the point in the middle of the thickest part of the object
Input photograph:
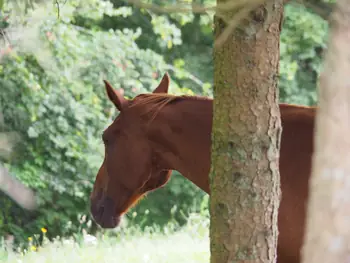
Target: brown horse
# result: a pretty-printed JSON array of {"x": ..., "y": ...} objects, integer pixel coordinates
[{"x": 156, "y": 133}]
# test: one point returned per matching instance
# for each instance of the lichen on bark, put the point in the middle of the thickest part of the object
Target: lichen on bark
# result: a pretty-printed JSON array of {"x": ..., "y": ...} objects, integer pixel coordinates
[{"x": 244, "y": 178}]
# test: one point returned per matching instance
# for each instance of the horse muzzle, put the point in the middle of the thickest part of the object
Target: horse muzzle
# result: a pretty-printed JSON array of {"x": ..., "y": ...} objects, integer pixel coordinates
[{"x": 103, "y": 211}]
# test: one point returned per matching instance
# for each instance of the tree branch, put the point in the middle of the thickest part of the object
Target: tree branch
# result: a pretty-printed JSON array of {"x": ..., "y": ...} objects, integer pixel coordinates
[
  {"x": 241, "y": 8},
  {"x": 317, "y": 6},
  {"x": 21, "y": 194}
]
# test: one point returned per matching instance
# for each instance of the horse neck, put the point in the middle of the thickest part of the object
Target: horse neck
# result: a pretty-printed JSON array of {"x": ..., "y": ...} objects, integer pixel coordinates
[{"x": 181, "y": 138}]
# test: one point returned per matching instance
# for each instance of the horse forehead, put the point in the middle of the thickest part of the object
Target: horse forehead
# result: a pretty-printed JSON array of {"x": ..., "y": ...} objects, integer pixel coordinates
[
  {"x": 122, "y": 124},
  {"x": 117, "y": 123},
  {"x": 110, "y": 130}
]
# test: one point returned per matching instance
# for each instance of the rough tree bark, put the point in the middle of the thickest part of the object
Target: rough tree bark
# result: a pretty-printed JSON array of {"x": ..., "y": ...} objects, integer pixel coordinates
[
  {"x": 244, "y": 179},
  {"x": 327, "y": 237}
]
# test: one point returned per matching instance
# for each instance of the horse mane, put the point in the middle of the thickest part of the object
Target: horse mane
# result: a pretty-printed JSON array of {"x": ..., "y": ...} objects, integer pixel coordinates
[{"x": 157, "y": 101}]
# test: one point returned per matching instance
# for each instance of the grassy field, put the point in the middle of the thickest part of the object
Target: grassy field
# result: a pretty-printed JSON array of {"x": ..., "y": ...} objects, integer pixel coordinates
[{"x": 190, "y": 245}]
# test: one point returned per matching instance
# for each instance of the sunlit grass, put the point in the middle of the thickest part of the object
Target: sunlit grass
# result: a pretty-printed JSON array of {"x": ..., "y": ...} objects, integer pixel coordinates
[{"x": 190, "y": 245}]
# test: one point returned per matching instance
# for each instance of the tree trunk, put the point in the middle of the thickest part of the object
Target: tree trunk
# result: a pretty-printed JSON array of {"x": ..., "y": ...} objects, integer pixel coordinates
[
  {"x": 244, "y": 178},
  {"x": 327, "y": 237}
]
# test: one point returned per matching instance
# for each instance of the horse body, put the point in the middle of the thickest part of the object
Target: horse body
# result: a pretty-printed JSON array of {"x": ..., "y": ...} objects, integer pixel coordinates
[
  {"x": 186, "y": 138},
  {"x": 167, "y": 133}
]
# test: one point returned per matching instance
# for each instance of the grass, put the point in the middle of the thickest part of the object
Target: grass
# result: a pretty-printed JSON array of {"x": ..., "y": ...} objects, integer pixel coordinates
[{"x": 190, "y": 245}]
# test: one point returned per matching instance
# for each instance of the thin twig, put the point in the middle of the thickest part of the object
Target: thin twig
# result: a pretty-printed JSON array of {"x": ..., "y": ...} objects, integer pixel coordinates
[
  {"x": 189, "y": 75},
  {"x": 58, "y": 8},
  {"x": 233, "y": 23}
]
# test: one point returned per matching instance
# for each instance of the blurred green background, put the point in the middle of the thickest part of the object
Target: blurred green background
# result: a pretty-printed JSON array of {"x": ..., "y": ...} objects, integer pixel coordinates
[{"x": 52, "y": 94}]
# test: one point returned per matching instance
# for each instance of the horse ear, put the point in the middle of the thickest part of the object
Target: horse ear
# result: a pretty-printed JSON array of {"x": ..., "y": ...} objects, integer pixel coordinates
[
  {"x": 114, "y": 96},
  {"x": 163, "y": 85}
]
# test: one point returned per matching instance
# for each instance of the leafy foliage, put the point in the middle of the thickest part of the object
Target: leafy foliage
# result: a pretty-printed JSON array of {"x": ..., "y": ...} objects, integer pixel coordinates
[
  {"x": 303, "y": 40},
  {"x": 59, "y": 107}
]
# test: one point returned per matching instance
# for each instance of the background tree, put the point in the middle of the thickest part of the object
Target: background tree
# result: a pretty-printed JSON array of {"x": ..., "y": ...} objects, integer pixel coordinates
[
  {"x": 132, "y": 46},
  {"x": 245, "y": 183},
  {"x": 9, "y": 184},
  {"x": 327, "y": 236}
]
